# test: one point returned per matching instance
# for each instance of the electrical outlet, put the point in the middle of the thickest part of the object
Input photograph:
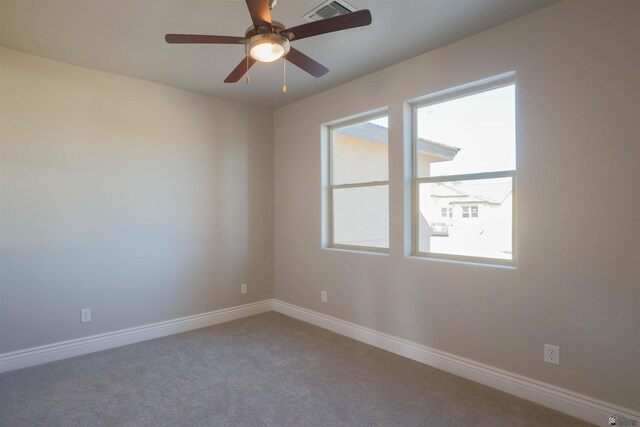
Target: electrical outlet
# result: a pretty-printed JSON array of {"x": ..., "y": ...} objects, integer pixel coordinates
[
  {"x": 243, "y": 288},
  {"x": 323, "y": 296},
  {"x": 552, "y": 354},
  {"x": 85, "y": 315}
]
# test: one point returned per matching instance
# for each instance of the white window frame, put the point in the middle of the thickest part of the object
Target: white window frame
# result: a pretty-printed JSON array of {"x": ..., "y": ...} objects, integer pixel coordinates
[
  {"x": 448, "y": 95},
  {"x": 331, "y": 186}
]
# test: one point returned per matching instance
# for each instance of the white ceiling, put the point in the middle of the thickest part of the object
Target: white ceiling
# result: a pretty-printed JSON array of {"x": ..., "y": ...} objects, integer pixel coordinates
[{"x": 127, "y": 37}]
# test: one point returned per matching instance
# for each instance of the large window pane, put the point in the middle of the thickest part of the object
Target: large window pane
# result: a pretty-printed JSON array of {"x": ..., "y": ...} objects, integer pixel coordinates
[
  {"x": 480, "y": 224},
  {"x": 360, "y": 152},
  {"x": 361, "y": 216},
  {"x": 469, "y": 134}
]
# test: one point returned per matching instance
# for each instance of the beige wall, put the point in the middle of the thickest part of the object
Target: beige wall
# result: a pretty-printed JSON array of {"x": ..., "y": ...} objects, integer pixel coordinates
[
  {"x": 576, "y": 283},
  {"x": 143, "y": 202}
]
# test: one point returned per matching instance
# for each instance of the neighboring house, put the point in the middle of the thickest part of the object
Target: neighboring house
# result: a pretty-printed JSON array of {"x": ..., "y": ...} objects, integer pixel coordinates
[
  {"x": 477, "y": 215},
  {"x": 360, "y": 153}
]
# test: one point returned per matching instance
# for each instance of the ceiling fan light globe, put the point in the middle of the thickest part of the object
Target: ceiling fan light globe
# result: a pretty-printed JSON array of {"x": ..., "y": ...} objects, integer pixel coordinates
[
  {"x": 267, "y": 52},
  {"x": 268, "y": 47}
]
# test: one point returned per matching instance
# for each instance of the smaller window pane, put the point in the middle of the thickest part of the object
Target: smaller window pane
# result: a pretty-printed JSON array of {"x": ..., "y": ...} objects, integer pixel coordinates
[
  {"x": 360, "y": 152},
  {"x": 361, "y": 216},
  {"x": 487, "y": 236}
]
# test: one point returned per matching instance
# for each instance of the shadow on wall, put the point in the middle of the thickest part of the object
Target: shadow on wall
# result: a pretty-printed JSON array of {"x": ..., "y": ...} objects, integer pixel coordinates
[{"x": 142, "y": 202}]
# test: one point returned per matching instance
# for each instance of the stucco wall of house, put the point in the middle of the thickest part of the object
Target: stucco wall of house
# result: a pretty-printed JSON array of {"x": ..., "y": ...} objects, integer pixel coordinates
[{"x": 361, "y": 214}]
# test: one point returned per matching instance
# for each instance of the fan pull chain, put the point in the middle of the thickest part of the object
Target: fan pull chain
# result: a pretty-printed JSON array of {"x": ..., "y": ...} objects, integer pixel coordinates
[
  {"x": 246, "y": 48},
  {"x": 284, "y": 74}
]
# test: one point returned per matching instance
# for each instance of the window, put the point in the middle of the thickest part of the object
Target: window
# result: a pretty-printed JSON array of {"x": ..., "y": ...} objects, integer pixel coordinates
[
  {"x": 465, "y": 163},
  {"x": 447, "y": 212},
  {"x": 466, "y": 209},
  {"x": 358, "y": 196}
]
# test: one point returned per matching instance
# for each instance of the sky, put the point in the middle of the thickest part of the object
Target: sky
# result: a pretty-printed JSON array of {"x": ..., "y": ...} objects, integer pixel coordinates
[{"x": 482, "y": 125}]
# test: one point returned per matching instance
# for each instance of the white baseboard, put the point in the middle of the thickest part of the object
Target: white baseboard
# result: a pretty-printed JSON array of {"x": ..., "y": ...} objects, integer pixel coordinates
[
  {"x": 62, "y": 350},
  {"x": 578, "y": 405}
]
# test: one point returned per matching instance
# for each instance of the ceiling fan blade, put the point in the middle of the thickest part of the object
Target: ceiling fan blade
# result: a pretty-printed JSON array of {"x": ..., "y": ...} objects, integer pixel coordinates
[
  {"x": 359, "y": 18},
  {"x": 307, "y": 64},
  {"x": 240, "y": 70},
  {"x": 198, "y": 38},
  {"x": 260, "y": 13}
]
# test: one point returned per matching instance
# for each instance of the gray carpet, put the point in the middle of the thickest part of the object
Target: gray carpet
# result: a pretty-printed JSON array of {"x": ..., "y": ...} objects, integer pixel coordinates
[{"x": 266, "y": 370}]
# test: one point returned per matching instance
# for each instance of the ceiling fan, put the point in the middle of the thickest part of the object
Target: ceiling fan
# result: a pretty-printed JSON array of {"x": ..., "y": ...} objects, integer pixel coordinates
[{"x": 267, "y": 40}]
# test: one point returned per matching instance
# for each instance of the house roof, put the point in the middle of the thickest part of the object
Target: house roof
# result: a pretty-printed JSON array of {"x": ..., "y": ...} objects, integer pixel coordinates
[
  {"x": 490, "y": 193},
  {"x": 380, "y": 134}
]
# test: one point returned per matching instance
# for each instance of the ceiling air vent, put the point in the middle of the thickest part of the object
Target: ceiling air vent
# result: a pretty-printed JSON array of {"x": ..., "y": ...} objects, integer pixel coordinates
[{"x": 328, "y": 9}]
